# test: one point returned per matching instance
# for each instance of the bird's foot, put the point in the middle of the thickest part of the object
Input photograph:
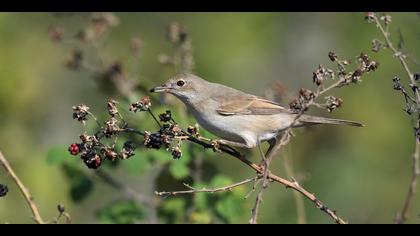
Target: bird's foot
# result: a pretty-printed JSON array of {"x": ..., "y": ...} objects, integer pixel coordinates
[{"x": 216, "y": 145}]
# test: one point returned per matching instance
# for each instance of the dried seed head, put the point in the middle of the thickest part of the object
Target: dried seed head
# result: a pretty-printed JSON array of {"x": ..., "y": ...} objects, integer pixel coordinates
[
  {"x": 370, "y": 17},
  {"x": 376, "y": 45},
  {"x": 80, "y": 113},
  {"x": 386, "y": 19},
  {"x": 112, "y": 107},
  {"x": 333, "y": 56},
  {"x": 60, "y": 208},
  {"x": 397, "y": 83},
  {"x": 176, "y": 33},
  {"x": 333, "y": 103},
  {"x": 127, "y": 150},
  {"x": 111, "y": 127},
  {"x": 306, "y": 94},
  {"x": 296, "y": 105},
  {"x": 142, "y": 105}
]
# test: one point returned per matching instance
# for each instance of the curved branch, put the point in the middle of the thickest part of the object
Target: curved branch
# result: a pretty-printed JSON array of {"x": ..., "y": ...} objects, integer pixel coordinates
[{"x": 28, "y": 197}]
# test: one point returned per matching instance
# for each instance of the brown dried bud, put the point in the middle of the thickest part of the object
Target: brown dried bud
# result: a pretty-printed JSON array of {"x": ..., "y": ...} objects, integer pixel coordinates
[
  {"x": 192, "y": 130},
  {"x": 333, "y": 56},
  {"x": 306, "y": 94},
  {"x": 333, "y": 103},
  {"x": 80, "y": 113},
  {"x": 112, "y": 107},
  {"x": 111, "y": 127},
  {"x": 142, "y": 105},
  {"x": 176, "y": 152}
]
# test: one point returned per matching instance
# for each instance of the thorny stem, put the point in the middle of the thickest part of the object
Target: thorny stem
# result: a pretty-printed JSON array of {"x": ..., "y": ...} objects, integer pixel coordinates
[
  {"x": 28, "y": 197},
  {"x": 403, "y": 215}
]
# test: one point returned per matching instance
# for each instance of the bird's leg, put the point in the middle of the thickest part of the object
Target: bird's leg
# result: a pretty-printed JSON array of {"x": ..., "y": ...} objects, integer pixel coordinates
[
  {"x": 272, "y": 142},
  {"x": 224, "y": 142}
]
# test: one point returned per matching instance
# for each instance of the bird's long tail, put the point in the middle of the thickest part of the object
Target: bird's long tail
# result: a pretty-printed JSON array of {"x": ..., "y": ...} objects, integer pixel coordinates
[{"x": 306, "y": 119}]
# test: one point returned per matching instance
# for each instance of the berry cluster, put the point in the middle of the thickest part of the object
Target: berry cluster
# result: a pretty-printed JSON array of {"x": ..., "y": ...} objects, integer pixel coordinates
[{"x": 3, "y": 190}]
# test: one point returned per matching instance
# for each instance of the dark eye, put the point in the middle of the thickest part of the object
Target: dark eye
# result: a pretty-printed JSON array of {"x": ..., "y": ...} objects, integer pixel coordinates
[{"x": 180, "y": 83}]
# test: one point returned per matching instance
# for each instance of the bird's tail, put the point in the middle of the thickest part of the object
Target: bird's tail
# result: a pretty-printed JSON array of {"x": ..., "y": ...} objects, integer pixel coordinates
[{"x": 306, "y": 119}]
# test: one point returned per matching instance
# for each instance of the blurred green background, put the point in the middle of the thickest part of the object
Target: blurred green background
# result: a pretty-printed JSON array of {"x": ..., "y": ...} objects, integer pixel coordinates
[{"x": 361, "y": 173}]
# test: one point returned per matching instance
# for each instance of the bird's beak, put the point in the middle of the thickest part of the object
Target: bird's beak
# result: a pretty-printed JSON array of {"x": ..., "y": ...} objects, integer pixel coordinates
[{"x": 160, "y": 89}]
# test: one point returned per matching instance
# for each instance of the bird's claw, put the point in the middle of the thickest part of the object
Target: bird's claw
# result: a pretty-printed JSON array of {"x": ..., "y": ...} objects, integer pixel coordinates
[{"x": 216, "y": 145}]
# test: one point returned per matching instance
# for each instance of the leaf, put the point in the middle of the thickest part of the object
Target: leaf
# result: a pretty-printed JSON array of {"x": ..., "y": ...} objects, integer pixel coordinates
[
  {"x": 200, "y": 218},
  {"x": 58, "y": 155},
  {"x": 80, "y": 185},
  {"x": 179, "y": 170},
  {"x": 122, "y": 212}
]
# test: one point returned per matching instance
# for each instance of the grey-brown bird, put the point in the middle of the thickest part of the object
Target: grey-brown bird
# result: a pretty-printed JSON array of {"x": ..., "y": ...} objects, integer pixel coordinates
[{"x": 238, "y": 118}]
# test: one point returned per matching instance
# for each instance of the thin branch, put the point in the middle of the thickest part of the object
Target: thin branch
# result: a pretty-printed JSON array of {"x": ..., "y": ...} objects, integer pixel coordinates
[
  {"x": 403, "y": 215},
  {"x": 205, "y": 190},
  {"x": 28, "y": 197}
]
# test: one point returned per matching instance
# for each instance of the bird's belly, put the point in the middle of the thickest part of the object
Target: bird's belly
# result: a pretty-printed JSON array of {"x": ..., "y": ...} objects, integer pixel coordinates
[{"x": 241, "y": 128}]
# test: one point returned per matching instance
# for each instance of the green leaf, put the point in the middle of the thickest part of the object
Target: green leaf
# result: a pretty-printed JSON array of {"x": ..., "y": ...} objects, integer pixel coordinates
[
  {"x": 80, "y": 185},
  {"x": 221, "y": 181},
  {"x": 178, "y": 170},
  {"x": 200, "y": 218},
  {"x": 136, "y": 165},
  {"x": 58, "y": 155},
  {"x": 122, "y": 212}
]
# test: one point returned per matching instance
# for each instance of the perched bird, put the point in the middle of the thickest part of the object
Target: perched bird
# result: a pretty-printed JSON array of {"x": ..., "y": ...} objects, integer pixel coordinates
[{"x": 239, "y": 119}]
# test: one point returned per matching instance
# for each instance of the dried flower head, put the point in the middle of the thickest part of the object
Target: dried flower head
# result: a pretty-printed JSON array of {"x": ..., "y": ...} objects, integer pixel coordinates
[
  {"x": 80, "y": 113},
  {"x": 376, "y": 45},
  {"x": 176, "y": 33},
  {"x": 111, "y": 127},
  {"x": 127, "y": 150},
  {"x": 397, "y": 83},
  {"x": 306, "y": 94},
  {"x": 370, "y": 17},
  {"x": 333, "y": 56},
  {"x": 416, "y": 76},
  {"x": 112, "y": 107},
  {"x": 386, "y": 19},
  {"x": 333, "y": 102},
  {"x": 142, "y": 105}
]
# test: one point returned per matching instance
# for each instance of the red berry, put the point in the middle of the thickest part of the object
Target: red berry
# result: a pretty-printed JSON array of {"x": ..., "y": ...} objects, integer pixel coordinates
[{"x": 74, "y": 149}]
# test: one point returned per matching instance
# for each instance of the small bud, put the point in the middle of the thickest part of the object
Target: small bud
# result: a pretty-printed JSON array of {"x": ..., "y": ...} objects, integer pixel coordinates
[
  {"x": 176, "y": 152},
  {"x": 192, "y": 130},
  {"x": 376, "y": 45},
  {"x": 416, "y": 76},
  {"x": 56, "y": 33},
  {"x": 165, "y": 117},
  {"x": 112, "y": 107},
  {"x": 306, "y": 94},
  {"x": 333, "y": 56},
  {"x": 397, "y": 83},
  {"x": 333, "y": 103},
  {"x": 61, "y": 209},
  {"x": 3, "y": 190},
  {"x": 111, "y": 127}
]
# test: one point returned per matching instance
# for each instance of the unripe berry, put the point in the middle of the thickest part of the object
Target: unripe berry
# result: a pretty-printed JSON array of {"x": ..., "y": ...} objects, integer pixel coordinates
[{"x": 74, "y": 149}]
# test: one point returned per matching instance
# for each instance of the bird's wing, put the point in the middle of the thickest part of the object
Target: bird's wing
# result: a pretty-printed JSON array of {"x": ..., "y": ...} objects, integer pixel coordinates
[{"x": 248, "y": 105}]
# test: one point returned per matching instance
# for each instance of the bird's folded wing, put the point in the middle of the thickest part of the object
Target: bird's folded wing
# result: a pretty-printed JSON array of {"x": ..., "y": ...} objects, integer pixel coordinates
[{"x": 249, "y": 105}]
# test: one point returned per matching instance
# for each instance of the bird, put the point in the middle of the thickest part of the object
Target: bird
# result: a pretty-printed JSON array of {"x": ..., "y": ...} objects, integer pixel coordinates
[{"x": 237, "y": 118}]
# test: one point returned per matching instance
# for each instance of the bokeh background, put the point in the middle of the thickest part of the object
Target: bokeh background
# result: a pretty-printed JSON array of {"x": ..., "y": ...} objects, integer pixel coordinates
[{"x": 363, "y": 173}]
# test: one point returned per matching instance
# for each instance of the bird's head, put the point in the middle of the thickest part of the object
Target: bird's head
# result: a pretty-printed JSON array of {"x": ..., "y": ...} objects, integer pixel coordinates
[{"x": 186, "y": 87}]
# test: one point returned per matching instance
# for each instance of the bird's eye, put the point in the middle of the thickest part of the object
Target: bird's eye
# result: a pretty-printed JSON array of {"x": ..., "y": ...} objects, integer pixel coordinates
[{"x": 180, "y": 83}]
